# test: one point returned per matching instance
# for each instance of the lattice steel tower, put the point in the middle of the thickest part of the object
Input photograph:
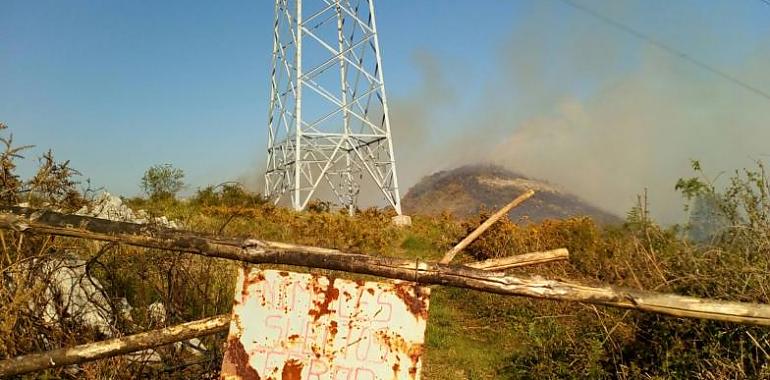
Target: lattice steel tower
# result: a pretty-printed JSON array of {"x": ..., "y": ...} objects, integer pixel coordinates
[{"x": 329, "y": 126}]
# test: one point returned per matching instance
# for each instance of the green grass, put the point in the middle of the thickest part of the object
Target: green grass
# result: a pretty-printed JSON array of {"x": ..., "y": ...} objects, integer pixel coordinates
[{"x": 460, "y": 345}]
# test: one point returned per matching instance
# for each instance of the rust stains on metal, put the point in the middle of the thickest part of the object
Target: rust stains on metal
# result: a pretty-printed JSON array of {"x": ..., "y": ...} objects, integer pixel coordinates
[
  {"x": 236, "y": 361},
  {"x": 292, "y": 370},
  {"x": 415, "y": 353},
  {"x": 248, "y": 281},
  {"x": 414, "y": 298},
  {"x": 244, "y": 291},
  {"x": 325, "y": 328},
  {"x": 316, "y": 351},
  {"x": 396, "y": 344},
  {"x": 322, "y": 306}
]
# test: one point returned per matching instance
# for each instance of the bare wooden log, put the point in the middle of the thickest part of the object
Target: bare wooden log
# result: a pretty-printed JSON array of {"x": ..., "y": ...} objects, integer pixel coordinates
[
  {"x": 485, "y": 226},
  {"x": 266, "y": 252},
  {"x": 522, "y": 260},
  {"x": 113, "y": 347}
]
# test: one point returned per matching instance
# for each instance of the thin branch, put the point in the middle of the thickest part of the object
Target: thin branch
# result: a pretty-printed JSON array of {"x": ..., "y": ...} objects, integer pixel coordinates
[{"x": 522, "y": 260}]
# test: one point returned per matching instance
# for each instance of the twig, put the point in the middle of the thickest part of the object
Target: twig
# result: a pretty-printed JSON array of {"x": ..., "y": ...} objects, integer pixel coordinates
[
  {"x": 5, "y": 248},
  {"x": 87, "y": 272},
  {"x": 18, "y": 245},
  {"x": 555, "y": 316},
  {"x": 767, "y": 356},
  {"x": 185, "y": 365},
  {"x": 44, "y": 245}
]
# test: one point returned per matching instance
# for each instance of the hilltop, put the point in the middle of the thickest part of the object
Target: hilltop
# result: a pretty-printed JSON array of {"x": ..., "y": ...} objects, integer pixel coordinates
[{"x": 466, "y": 190}]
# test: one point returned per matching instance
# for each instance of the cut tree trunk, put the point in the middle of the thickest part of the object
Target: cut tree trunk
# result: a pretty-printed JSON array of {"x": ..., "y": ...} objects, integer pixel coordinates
[
  {"x": 267, "y": 252},
  {"x": 113, "y": 347}
]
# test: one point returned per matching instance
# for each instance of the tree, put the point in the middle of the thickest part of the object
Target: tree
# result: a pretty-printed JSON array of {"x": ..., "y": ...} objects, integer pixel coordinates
[{"x": 163, "y": 181}]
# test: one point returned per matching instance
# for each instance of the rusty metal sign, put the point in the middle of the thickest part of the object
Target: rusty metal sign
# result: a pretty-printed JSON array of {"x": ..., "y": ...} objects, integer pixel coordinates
[{"x": 299, "y": 326}]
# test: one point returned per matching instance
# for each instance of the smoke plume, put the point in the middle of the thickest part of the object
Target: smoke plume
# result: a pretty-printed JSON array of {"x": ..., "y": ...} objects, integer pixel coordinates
[{"x": 598, "y": 112}]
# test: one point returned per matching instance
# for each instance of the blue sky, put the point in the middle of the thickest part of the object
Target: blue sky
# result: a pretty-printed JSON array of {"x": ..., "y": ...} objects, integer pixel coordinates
[{"x": 117, "y": 86}]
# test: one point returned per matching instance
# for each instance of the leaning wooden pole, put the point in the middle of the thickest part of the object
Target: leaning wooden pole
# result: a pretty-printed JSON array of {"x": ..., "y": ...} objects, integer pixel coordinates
[
  {"x": 524, "y": 259},
  {"x": 266, "y": 252},
  {"x": 485, "y": 226},
  {"x": 113, "y": 347}
]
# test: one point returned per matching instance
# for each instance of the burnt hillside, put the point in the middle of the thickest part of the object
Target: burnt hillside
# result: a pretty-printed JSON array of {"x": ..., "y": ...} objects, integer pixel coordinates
[{"x": 466, "y": 190}]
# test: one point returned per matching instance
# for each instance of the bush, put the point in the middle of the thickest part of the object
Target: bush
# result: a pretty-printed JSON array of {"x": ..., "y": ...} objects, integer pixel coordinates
[
  {"x": 161, "y": 182},
  {"x": 11, "y": 186},
  {"x": 231, "y": 194}
]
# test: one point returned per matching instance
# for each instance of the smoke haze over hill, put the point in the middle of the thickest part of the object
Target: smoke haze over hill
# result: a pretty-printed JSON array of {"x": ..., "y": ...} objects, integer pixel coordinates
[
  {"x": 465, "y": 191},
  {"x": 602, "y": 117}
]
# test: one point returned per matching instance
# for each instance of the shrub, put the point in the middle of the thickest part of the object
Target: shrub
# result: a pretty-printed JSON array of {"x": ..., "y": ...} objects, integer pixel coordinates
[
  {"x": 11, "y": 186},
  {"x": 54, "y": 185},
  {"x": 162, "y": 182}
]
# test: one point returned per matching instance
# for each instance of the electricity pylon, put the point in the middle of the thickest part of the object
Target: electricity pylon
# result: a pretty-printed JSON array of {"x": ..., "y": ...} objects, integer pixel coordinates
[{"x": 328, "y": 125}]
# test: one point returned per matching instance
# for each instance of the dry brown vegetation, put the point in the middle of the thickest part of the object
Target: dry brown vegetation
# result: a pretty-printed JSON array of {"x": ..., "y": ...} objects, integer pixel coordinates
[{"x": 470, "y": 335}]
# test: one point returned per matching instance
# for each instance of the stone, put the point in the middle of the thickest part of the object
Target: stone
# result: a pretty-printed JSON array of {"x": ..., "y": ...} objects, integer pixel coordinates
[
  {"x": 111, "y": 207},
  {"x": 402, "y": 220}
]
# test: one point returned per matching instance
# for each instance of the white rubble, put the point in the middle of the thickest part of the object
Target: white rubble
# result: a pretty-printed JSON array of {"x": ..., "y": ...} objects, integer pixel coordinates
[
  {"x": 402, "y": 220},
  {"x": 72, "y": 293},
  {"x": 156, "y": 314},
  {"x": 111, "y": 207}
]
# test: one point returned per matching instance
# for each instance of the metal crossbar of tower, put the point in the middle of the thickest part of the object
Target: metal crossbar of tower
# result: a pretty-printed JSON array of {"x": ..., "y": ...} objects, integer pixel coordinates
[{"x": 329, "y": 128}]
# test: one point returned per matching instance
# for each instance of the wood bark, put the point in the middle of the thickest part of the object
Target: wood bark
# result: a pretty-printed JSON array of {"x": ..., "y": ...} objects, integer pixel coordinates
[
  {"x": 485, "y": 226},
  {"x": 267, "y": 252},
  {"x": 521, "y": 260},
  {"x": 113, "y": 347}
]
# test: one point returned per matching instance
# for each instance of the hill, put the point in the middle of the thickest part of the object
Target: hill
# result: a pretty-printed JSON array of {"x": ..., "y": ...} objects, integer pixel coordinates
[{"x": 466, "y": 190}]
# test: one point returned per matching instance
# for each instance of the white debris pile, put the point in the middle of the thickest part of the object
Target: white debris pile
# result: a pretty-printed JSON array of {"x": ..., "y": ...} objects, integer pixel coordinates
[
  {"x": 111, "y": 207},
  {"x": 71, "y": 294}
]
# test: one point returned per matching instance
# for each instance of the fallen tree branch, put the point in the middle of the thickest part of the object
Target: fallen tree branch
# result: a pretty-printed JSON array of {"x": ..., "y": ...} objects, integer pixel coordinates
[
  {"x": 113, "y": 347},
  {"x": 485, "y": 226},
  {"x": 522, "y": 260},
  {"x": 266, "y": 252}
]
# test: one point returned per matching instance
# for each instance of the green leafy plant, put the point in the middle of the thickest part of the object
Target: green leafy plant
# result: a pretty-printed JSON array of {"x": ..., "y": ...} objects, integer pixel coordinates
[{"x": 163, "y": 182}]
